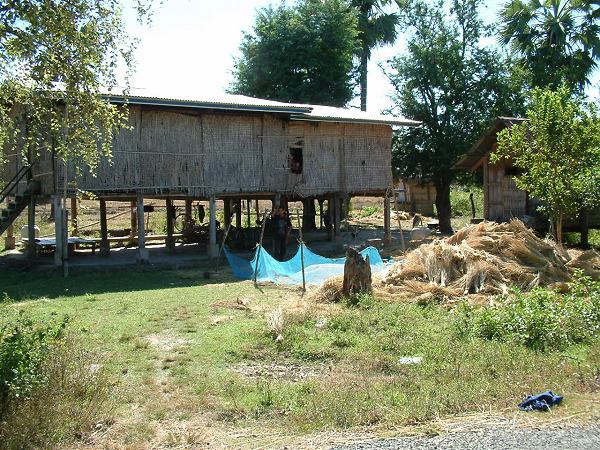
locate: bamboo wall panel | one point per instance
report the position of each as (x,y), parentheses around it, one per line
(233,149)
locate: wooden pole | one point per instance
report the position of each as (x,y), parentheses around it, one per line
(262,233)
(133,223)
(257,211)
(397,208)
(212,244)
(31,229)
(104,245)
(143,255)
(188,211)
(238,213)
(170,226)
(227,210)
(387,229)
(301,251)
(58,216)
(248,219)
(223,245)
(75,231)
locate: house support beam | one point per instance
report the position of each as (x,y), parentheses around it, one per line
(143,255)
(213,248)
(387,220)
(104,244)
(74,230)
(188,212)
(31,229)
(170,243)
(58,231)
(336,215)
(227,211)
(330,218)
(133,222)
(238,213)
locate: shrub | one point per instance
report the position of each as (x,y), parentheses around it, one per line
(542,319)
(368,211)
(50,390)
(461,204)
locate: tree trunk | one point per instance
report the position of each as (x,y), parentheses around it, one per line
(584,228)
(559,223)
(364,61)
(442,204)
(357,274)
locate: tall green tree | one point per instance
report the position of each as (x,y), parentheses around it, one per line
(303,53)
(376,27)
(453,83)
(55,58)
(557,41)
(558,149)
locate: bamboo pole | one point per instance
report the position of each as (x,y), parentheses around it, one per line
(397,209)
(223,243)
(262,233)
(301,251)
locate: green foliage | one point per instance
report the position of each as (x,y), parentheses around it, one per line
(558,41)
(461,203)
(368,211)
(302,53)
(558,148)
(24,345)
(541,320)
(454,83)
(55,57)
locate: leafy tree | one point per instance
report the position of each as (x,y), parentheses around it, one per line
(55,58)
(557,40)
(302,53)
(558,149)
(454,84)
(375,28)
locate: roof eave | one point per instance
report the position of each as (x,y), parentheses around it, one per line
(406,123)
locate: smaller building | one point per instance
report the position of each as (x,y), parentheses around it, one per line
(502,199)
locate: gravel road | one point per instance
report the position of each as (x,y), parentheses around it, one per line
(586,438)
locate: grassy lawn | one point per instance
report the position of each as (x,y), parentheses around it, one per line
(195,360)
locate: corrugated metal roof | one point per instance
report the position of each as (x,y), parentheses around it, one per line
(472,159)
(186,98)
(331,114)
(189,99)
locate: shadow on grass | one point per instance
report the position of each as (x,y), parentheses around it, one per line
(19,285)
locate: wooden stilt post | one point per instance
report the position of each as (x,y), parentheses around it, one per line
(58,216)
(262,233)
(301,251)
(74,230)
(330,211)
(104,244)
(397,208)
(387,232)
(31,229)
(170,243)
(227,211)
(238,213)
(248,219)
(257,211)
(188,211)
(133,235)
(336,215)
(212,245)
(321,213)
(143,255)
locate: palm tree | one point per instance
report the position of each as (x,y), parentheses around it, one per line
(375,28)
(557,40)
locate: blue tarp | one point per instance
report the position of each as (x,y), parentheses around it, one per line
(317,267)
(541,402)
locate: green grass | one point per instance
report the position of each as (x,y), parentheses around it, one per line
(155,331)
(461,204)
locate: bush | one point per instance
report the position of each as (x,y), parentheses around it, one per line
(368,211)
(542,319)
(50,390)
(461,204)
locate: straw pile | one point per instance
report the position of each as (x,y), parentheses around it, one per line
(478,261)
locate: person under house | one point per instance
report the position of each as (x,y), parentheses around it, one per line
(282,226)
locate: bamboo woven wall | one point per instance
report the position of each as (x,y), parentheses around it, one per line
(210,153)
(503,200)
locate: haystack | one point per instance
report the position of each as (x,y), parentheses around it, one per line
(479,260)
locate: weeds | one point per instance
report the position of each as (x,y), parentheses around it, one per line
(52,391)
(542,319)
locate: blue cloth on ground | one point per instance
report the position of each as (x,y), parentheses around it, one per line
(540,402)
(317,268)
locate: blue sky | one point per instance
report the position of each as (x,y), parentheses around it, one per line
(191,44)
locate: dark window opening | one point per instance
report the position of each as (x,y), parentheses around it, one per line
(295,159)
(513,171)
